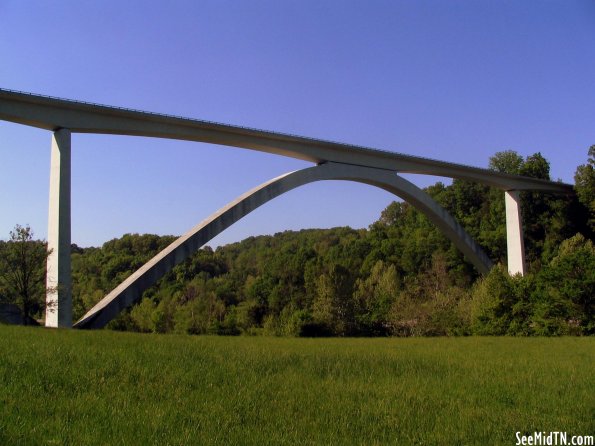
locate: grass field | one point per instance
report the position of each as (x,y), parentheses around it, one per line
(81,388)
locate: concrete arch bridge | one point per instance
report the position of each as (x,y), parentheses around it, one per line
(331,161)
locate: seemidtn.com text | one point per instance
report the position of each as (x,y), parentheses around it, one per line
(554,438)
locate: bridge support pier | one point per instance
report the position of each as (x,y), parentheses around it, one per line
(514,233)
(59,290)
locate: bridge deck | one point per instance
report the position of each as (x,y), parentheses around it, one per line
(81,117)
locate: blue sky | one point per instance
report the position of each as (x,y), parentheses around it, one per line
(451,80)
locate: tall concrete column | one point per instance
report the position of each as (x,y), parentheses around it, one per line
(514,233)
(59,291)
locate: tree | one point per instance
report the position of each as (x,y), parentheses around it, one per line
(332,307)
(566,289)
(374,296)
(492,301)
(507,161)
(584,179)
(536,166)
(22,270)
(536,208)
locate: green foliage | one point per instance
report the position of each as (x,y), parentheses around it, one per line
(535,166)
(498,304)
(374,296)
(430,304)
(566,290)
(585,186)
(558,300)
(332,308)
(22,271)
(507,161)
(401,277)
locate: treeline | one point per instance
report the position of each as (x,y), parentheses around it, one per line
(400,277)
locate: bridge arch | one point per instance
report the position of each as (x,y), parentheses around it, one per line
(130,291)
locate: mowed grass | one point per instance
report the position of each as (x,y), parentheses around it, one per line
(100,387)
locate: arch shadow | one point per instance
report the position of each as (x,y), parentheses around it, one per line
(130,291)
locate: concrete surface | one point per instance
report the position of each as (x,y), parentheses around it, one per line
(515,243)
(59,293)
(130,291)
(80,117)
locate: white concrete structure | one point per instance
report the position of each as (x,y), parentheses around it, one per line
(65,116)
(59,298)
(80,117)
(130,291)
(515,243)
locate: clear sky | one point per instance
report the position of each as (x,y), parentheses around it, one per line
(451,80)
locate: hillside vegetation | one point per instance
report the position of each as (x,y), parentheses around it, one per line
(103,387)
(400,277)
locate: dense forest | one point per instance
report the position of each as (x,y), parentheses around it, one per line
(399,277)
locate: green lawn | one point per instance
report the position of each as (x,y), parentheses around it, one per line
(101,387)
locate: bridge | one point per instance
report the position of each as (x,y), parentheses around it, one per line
(331,161)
